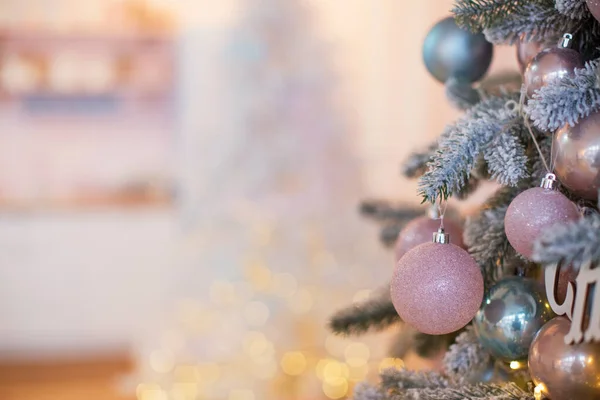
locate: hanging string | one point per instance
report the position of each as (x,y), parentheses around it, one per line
(442,207)
(528,126)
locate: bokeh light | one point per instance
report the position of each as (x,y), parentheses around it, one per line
(293,363)
(258,275)
(335,388)
(335,345)
(388,362)
(150,392)
(162,361)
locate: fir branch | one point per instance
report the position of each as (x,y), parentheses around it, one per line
(506,158)
(574,9)
(566,100)
(485,238)
(381,210)
(428,346)
(416,165)
(389,234)
(571,244)
(375,313)
(509,391)
(530,21)
(477,15)
(402,342)
(461,144)
(461,94)
(364,391)
(466,356)
(398,380)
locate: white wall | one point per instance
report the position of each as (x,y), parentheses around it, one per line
(81,281)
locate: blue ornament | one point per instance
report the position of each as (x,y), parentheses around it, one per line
(512,313)
(452,52)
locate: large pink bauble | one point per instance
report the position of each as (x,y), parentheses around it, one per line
(549,65)
(594,7)
(564,371)
(576,152)
(420,230)
(533,212)
(437,288)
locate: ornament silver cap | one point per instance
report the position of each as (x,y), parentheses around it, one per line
(566,42)
(549,182)
(441,237)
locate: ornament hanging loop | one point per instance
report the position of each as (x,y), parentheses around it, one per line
(441,237)
(549,182)
(567,41)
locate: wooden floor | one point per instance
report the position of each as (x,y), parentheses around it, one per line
(93,379)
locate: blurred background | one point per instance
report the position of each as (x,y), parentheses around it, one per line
(179,185)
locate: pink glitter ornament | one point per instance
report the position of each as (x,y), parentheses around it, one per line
(418,231)
(437,287)
(551,64)
(534,211)
(594,7)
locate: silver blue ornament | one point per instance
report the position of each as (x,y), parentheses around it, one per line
(514,310)
(452,52)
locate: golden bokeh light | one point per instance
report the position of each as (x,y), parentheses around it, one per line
(258,275)
(284,285)
(357,354)
(184,391)
(515,365)
(241,394)
(293,363)
(335,388)
(150,391)
(390,363)
(162,361)
(222,293)
(256,313)
(361,295)
(301,302)
(256,344)
(334,369)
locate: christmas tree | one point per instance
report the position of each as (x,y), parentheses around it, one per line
(509,296)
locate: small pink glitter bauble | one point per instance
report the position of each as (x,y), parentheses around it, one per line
(420,230)
(533,212)
(594,7)
(437,288)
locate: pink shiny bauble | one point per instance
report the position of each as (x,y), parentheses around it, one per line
(421,229)
(594,7)
(565,371)
(533,212)
(437,288)
(526,51)
(549,65)
(576,152)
